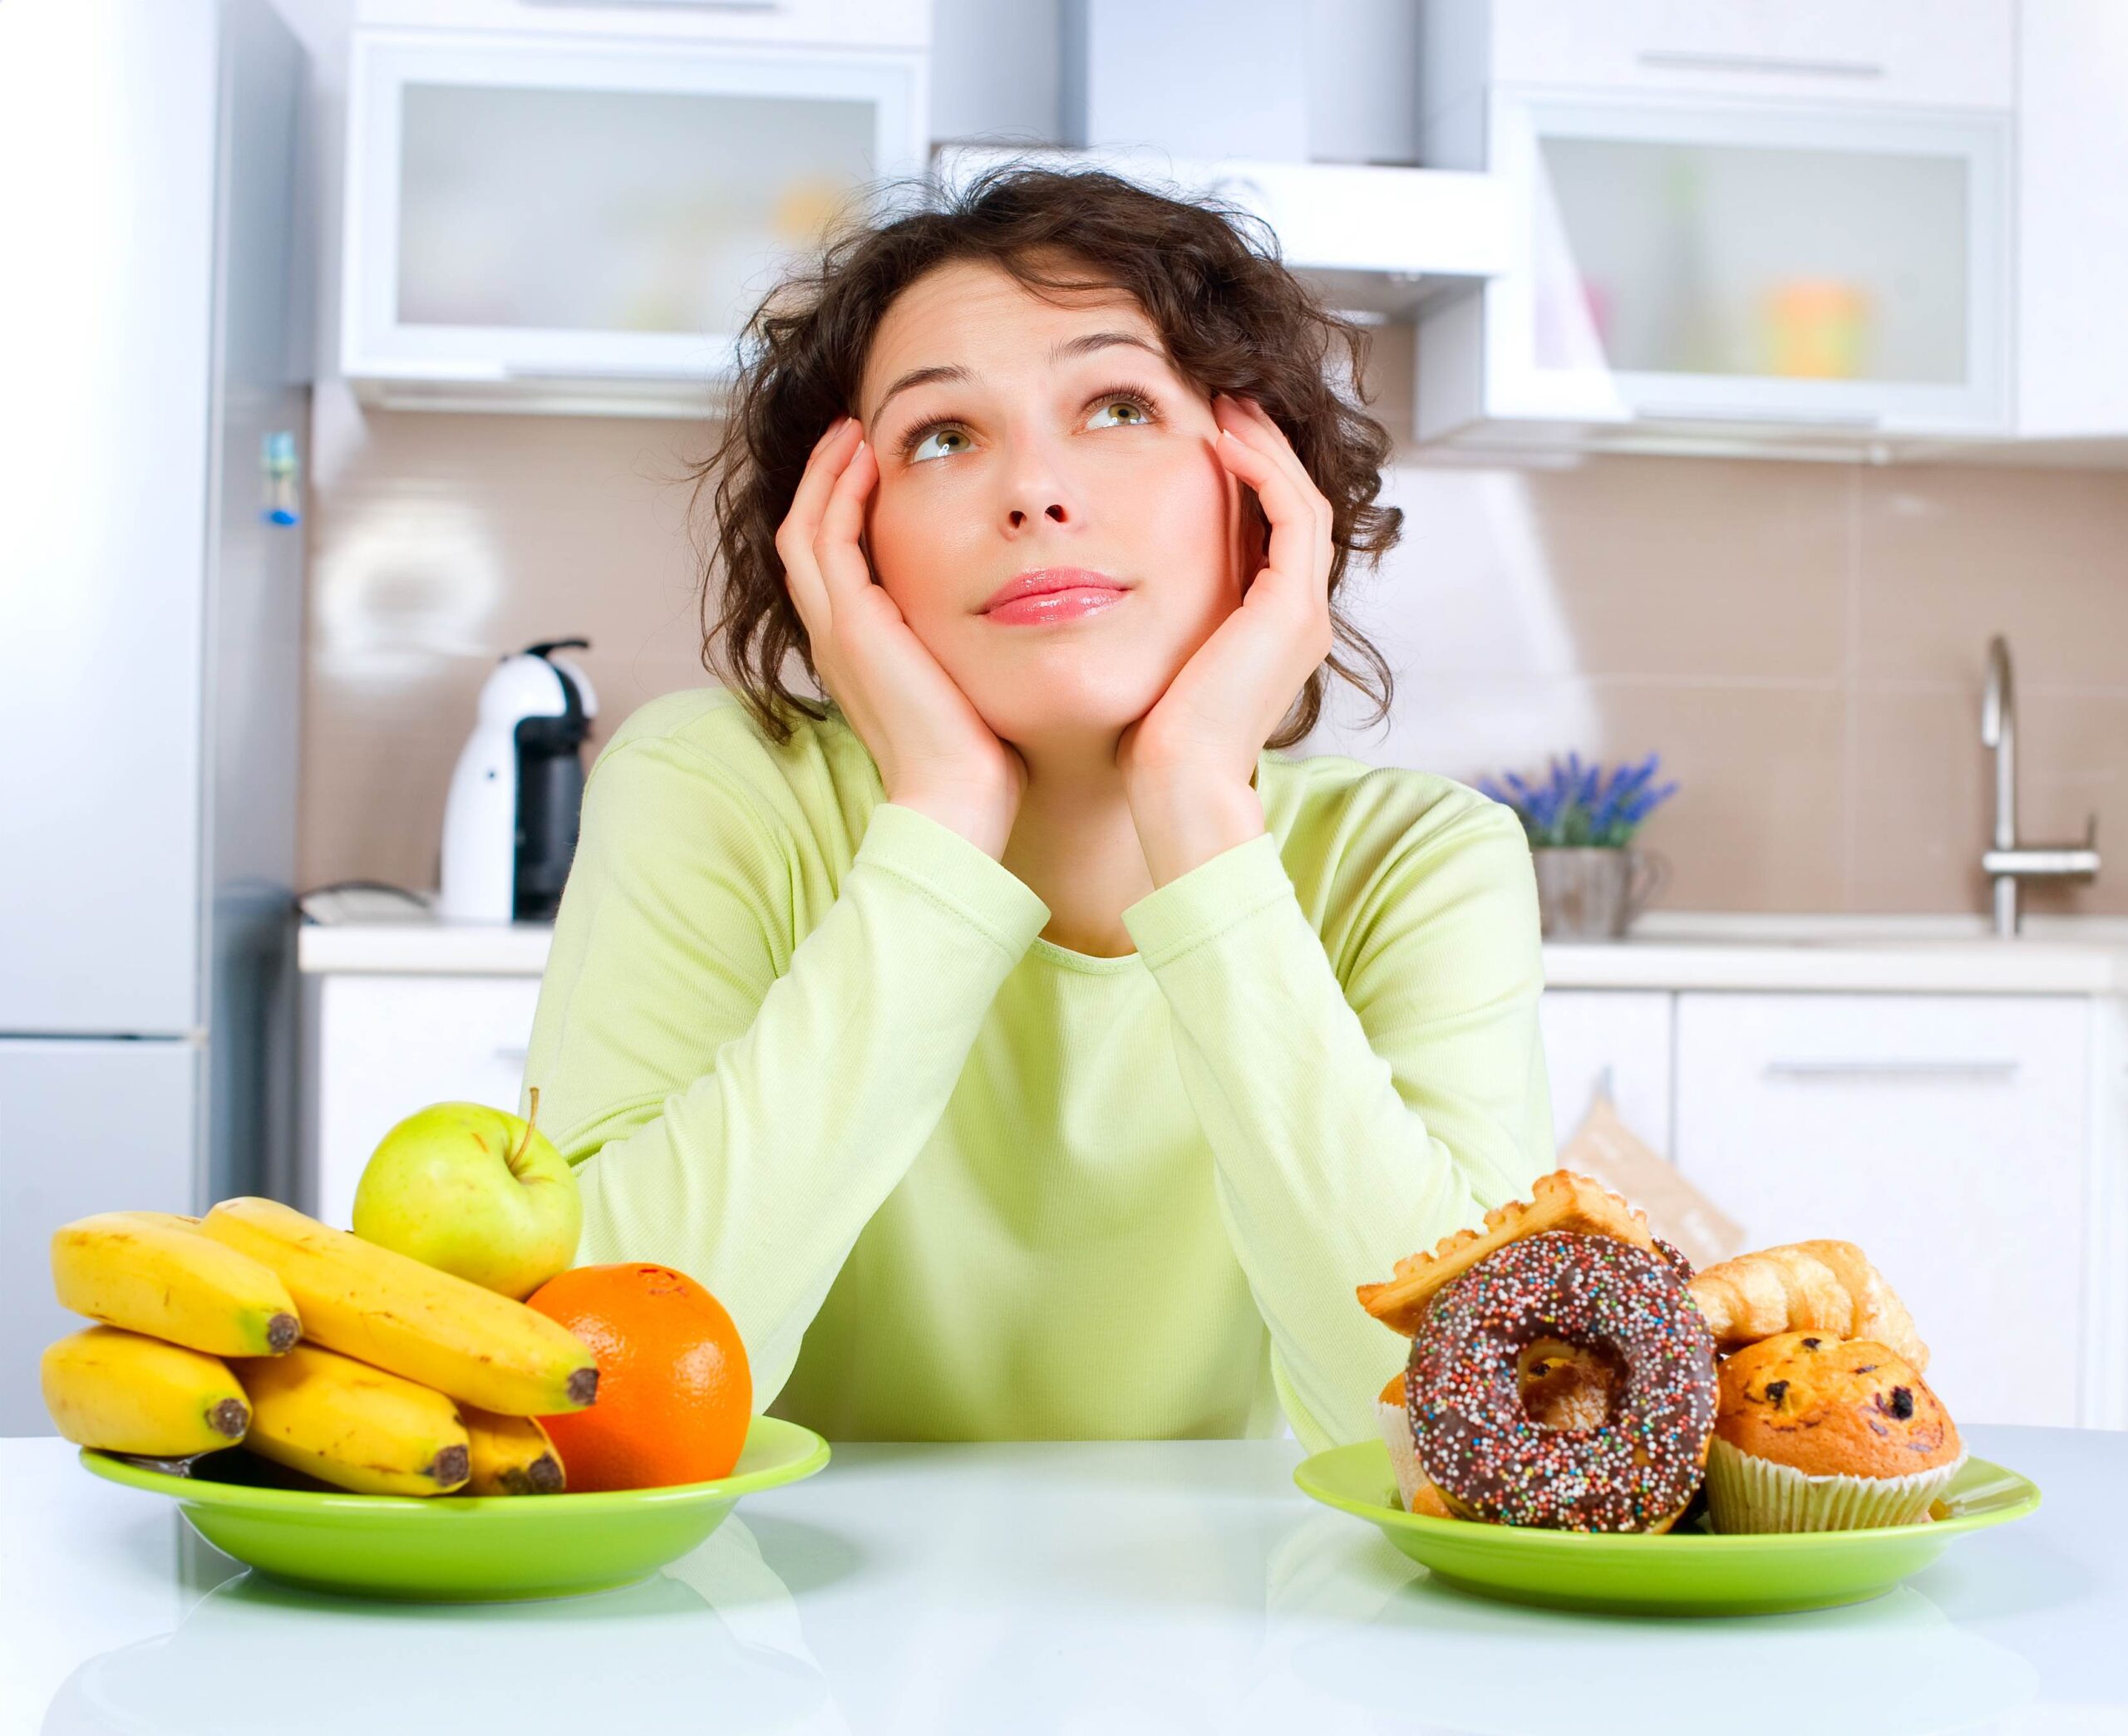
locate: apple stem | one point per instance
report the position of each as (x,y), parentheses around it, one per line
(532,1114)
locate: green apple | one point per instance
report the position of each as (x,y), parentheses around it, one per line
(473,1191)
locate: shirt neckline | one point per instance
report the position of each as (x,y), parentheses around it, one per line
(1089,964)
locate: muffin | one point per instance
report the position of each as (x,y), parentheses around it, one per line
(1815,1433)
(1413,1488)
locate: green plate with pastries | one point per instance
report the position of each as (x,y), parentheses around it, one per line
(463,1548)
(1680,1572)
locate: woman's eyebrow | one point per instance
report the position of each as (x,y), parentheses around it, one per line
(1083,345)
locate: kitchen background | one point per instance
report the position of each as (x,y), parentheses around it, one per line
(1804,644)
(1775,557)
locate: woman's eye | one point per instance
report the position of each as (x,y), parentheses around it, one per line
(917,453)
(1137,411)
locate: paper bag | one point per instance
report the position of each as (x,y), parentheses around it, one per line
(1606,1150)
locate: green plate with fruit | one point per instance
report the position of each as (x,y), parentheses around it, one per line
(1681,1572)
(459,1548)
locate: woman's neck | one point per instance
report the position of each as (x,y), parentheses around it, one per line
(1074,843)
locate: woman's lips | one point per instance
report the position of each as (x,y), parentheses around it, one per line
(1072,605)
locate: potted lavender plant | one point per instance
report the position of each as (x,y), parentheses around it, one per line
(1591,883)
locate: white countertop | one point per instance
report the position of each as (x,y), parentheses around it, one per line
(1666,950)
(1096,1587)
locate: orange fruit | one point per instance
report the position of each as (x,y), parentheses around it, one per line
(675,1394)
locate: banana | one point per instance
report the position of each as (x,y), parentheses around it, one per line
(153,1272)
(124,1393)
(395,1314)
(511,1455)
(353,1426)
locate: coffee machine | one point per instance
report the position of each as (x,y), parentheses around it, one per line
(510,823)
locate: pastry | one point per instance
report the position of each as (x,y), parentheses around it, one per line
(1815,1433)
(1561,1201)
(1825,1287)
(1599,1300)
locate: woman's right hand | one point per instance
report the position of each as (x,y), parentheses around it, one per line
(934,752)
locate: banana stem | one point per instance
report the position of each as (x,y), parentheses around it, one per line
(532,1114)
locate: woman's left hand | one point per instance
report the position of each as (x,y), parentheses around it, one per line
(1188,762)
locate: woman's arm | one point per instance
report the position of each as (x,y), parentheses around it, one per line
(1354,1122)
(739,1100)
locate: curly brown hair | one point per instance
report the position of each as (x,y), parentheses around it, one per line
(1234,318)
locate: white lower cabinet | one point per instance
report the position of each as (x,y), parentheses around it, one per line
(384,1045)
(1948,1135)
(1614,1040)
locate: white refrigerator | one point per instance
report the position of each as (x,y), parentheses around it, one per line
(152,346)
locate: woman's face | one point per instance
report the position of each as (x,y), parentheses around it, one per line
(1015,434)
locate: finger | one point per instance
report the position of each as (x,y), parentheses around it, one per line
(794,536)
(844,569)
(1252,425)
(831,453)
(1296,558)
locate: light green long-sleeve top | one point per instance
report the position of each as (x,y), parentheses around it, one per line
(955,1182)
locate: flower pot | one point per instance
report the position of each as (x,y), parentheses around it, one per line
(1593,892)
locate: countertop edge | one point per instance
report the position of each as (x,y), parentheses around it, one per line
(1924,966)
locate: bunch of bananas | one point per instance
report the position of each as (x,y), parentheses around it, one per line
(258,1325)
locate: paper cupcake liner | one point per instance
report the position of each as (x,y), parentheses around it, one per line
(1749,1494)
(1396,1430)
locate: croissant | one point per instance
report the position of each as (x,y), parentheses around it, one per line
(1804,1286)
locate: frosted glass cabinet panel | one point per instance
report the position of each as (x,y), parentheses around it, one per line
(1689,265)
(597,221)
(1689,259)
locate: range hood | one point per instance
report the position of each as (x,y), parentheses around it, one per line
(1372,240)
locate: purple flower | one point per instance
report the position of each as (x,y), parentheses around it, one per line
(1581,803)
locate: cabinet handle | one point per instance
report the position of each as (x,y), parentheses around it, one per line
(1673,60)
(1892,1069)
(1779,418)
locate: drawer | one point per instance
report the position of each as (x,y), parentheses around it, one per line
(383,1046)
(1936,53)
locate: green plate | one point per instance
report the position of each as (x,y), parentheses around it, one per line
(1678,1573)
(486,1548)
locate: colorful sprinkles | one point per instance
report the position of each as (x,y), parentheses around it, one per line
(1464,1397)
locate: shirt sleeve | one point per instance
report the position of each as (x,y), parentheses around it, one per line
(738,1100)
(1355,1120)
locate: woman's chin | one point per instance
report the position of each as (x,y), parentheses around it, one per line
(1100,715)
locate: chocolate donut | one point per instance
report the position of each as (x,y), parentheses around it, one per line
(1463,1390)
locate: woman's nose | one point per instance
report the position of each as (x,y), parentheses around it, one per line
(1055,511)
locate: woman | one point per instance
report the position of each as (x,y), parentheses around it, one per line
(1019,1044)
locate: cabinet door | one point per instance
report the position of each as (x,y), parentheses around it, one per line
(1696,267)
(107,346)
(388,1045)
(2072,219)
(1942,53)
(1946,1135)
(1610,1040)
(519,210)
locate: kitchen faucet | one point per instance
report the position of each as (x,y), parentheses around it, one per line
(2009,862)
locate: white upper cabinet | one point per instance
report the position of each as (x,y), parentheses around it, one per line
(2072,211)
(1780,230)
(1931,53)
(535,222)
